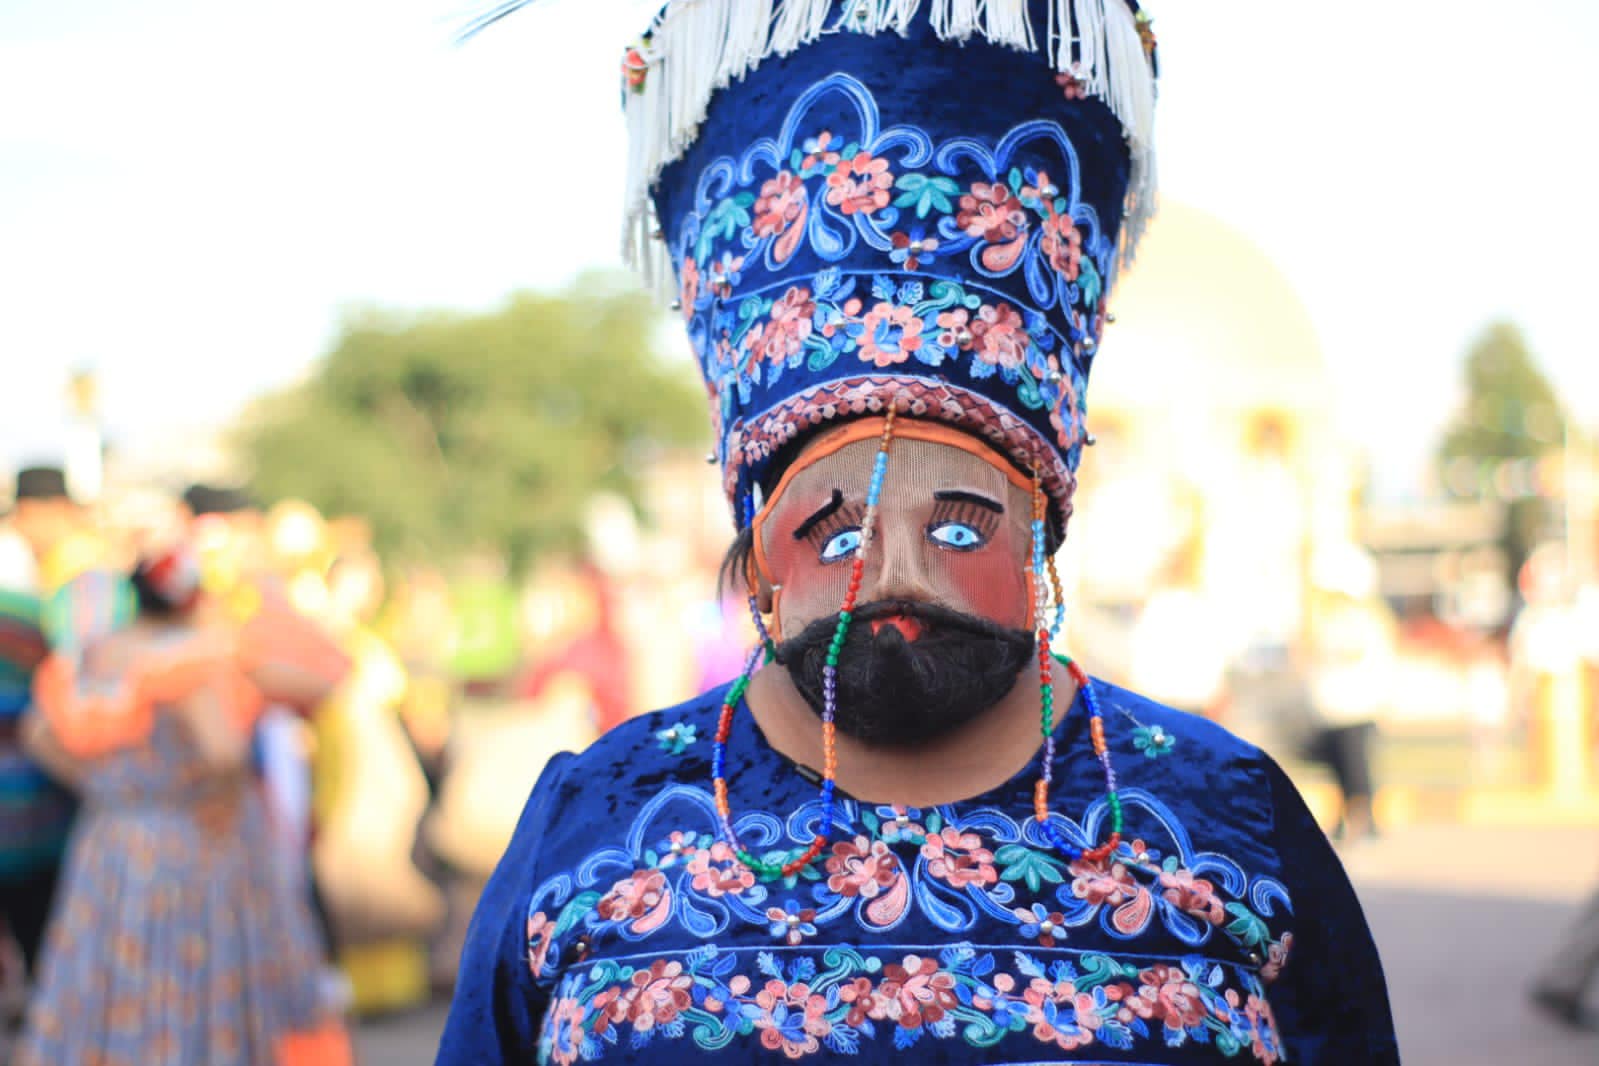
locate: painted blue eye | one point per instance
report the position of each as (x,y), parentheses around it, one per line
(841,545)
(956,536)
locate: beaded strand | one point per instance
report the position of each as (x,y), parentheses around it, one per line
(1043,573)
(760,868)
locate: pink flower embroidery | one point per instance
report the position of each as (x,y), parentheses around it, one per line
(1063,245)
(659,994)
(959,859)
(780,212)
(914,993)
(1167,995)
(862,1001)
(999,336)
(890,334)
(860,185)
(610,1007)
(994,214)
(955,329)
(1276,958)
(1192,895)
(1109,884)
(717,872)
(1063,411)
(783,336)
(643,898)
(861,867)
(540,932)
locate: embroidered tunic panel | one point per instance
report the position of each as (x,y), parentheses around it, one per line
(618,928)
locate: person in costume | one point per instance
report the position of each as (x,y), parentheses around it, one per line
(176,938)
(913,830)
(35,809)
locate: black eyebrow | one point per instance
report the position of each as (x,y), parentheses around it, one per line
(957,496)
(827,510)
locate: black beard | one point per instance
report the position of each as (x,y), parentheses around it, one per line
(899,693)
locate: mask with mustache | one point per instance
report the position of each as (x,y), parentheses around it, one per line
(894,691)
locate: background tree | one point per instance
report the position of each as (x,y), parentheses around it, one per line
(461,433)
(1510,419)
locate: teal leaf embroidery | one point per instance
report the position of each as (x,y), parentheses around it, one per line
(1024,864)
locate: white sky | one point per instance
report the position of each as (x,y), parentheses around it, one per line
(192,190)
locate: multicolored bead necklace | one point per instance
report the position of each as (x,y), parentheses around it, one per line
(1046,580)
(1043,576)
(724,726)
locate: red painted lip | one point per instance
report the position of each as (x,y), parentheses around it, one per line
(909,628)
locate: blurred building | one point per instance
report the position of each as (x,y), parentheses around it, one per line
(1217,469)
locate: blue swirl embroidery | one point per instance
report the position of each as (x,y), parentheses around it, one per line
(982,864)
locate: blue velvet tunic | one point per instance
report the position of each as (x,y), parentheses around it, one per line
(619,929)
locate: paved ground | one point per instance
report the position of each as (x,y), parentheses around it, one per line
(1463,917)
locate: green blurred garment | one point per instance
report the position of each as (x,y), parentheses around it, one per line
(35,812)
(485,645)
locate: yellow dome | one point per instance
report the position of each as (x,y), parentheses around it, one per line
(1204,318)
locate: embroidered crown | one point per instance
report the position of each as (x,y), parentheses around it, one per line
(858,203)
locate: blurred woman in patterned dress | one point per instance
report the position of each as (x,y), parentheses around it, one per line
(176,939)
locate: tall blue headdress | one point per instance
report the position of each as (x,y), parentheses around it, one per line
(918,203)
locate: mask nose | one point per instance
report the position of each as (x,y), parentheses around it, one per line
(901,573)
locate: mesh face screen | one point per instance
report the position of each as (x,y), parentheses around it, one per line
(952,529)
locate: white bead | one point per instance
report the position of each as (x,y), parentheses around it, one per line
(793,919)
(1046,928)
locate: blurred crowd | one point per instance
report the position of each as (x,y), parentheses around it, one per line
(390,796)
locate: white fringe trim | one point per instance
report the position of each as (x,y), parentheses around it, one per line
(698,47)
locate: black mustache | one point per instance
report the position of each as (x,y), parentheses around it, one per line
(900,692)
(936,618)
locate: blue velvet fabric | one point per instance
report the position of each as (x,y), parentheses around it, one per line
(877,217)
(616,928)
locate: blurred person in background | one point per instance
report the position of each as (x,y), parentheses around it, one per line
(892,247)
(176,938)
(1567,978)
(36,810)
(242,558)
(587,645)
(1564,982)
(1352,641)
(371,793)
(58,531)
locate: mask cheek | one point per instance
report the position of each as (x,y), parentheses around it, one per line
(992,584)
(806,592)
